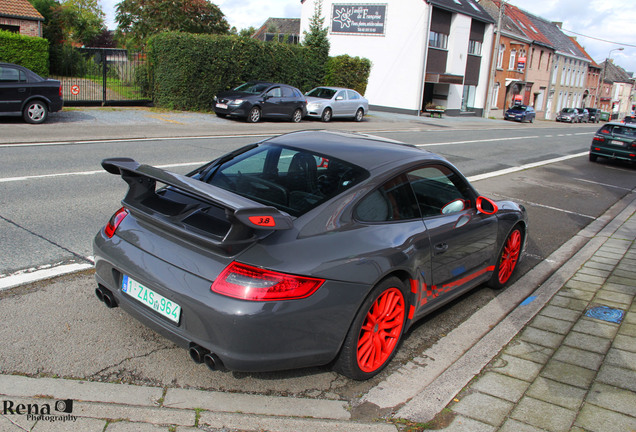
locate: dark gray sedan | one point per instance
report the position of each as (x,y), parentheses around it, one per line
(301,250)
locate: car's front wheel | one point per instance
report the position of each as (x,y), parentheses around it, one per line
(254,115)
(326,115)
(507,259)
(35,112)
(375,332)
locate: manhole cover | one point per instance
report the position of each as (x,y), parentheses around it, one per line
(605,313)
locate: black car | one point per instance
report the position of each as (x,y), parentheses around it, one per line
(25,93)
(301,250)
(255,100)
(629,119)
(520,113)
(615,141)
(595,114)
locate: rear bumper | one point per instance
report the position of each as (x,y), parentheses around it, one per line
(246,335)
(613,153)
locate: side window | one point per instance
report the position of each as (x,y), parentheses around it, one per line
(275,92)
(393,201)
(352,95)
(287,92)
(342,95)
(8,75)
(437,186)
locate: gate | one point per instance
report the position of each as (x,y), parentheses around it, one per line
(103,76)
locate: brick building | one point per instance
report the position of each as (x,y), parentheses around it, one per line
(19,16)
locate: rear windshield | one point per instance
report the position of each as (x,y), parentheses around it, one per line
(323,93)
(292,180)
(567,110)
(616,130)
(518,109)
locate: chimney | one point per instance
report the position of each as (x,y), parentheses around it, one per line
(558,24)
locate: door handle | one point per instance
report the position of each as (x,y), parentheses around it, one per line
(440,248)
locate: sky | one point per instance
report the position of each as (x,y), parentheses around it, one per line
(610,20)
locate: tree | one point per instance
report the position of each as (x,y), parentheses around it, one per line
(316,37)
(71,21)
(140,19)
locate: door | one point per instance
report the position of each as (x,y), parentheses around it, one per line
(340,104)
(463,240)
(273,103)
(14,89)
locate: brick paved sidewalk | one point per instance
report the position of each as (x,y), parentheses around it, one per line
(573,367)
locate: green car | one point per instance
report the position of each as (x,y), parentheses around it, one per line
(615,141)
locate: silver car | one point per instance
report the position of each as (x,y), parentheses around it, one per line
(326,103)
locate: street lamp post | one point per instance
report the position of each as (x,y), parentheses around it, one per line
(600,84)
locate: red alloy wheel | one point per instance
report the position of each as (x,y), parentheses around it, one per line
(381,330)
(509,256)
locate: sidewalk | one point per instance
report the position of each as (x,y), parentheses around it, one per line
(573,367)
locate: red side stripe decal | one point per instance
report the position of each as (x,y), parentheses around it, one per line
(411,312)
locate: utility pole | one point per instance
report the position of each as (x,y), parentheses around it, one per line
(493,63)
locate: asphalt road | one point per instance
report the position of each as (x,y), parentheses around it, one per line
(55,197)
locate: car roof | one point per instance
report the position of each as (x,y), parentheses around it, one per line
(367,151)
(617,123)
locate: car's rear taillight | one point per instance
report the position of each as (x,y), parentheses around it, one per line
(60,90)
(114,222)
(246,282)
(598,138)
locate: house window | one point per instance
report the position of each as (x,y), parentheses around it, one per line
(495,96)
(474,47)
(10,28)
(500,56)
(513,59)
(438,40)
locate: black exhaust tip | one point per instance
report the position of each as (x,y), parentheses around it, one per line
(213,362)
(197,353)
(99,293)
(106,296)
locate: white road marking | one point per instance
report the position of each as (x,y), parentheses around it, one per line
(85,173)
(476,141)
(524,167)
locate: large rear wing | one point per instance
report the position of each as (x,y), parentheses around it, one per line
(243,215)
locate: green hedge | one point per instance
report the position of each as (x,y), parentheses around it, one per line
(346,71)
(28,51)
(186,71)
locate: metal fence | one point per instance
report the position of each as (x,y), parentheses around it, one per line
(103,76)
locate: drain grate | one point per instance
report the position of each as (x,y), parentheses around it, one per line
(605,313)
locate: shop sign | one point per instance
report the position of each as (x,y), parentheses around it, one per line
(359,19)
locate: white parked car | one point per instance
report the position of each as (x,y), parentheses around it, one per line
(326,103)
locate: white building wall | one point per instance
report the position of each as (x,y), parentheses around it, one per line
(397,57)
(484,73)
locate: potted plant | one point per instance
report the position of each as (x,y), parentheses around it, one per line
(435,110)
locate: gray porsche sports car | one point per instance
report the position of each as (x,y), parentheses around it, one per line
(301,250)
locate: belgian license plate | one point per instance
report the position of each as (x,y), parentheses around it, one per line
(221,106)
(618,143)
(148,297)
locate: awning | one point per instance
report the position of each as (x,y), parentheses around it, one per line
(444,78)
(511,80)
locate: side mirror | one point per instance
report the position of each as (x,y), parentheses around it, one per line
(486,206)
(339,98)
